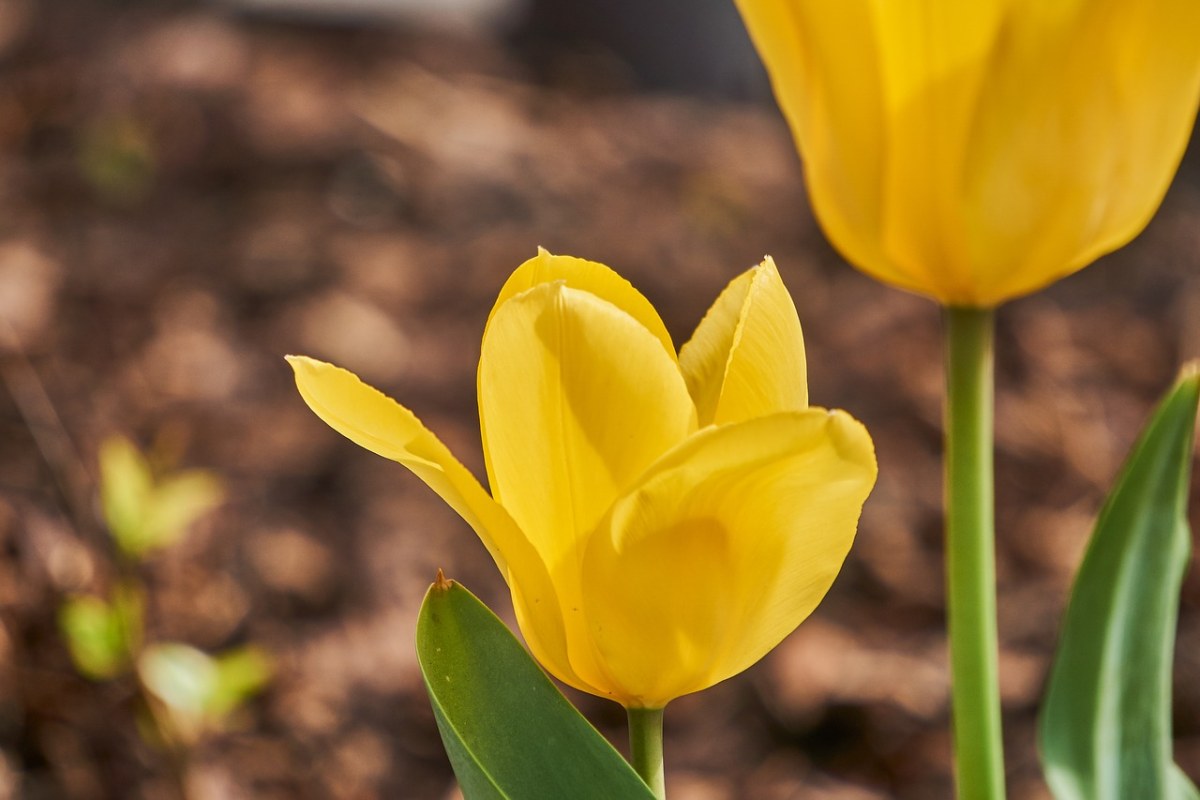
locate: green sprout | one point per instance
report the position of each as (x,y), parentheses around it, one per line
(185,694)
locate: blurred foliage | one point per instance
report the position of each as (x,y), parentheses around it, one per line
(99,633)
(197,692)
(144,513)
(186,692)
(116,158)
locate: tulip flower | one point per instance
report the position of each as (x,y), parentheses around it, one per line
(662,520)
(975,152)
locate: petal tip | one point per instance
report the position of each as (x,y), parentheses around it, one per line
(852,439)
(306,366)
(298,363)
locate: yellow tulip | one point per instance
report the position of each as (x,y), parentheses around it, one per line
(977,151)
(662,521)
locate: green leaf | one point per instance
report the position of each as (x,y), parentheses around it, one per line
(508,731)
(1106,721)
(198,691)
(241,674)
(143,514)
(1183,786)
(126,489)
(183,679)
(178,501)
(95,637)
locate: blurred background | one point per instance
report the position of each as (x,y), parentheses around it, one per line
(190,190)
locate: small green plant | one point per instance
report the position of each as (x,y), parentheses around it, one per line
(184,694)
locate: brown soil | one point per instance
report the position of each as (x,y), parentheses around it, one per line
(187,196)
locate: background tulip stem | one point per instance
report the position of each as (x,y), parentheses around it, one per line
(970,554)
(646,747)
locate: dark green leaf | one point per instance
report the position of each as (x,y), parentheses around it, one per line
(508,731)
(1106,722)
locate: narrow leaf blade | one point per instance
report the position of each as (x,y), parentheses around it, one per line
(509,732)
(1106,721)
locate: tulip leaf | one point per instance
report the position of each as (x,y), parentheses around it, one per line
(1183,787)
(508,731)
(1106,721)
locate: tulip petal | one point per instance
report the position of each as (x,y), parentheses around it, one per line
(825,72)
(975,152)
(374,421)
(729,542)
(1079,130)
(588,276)
(576,400)
(746,358)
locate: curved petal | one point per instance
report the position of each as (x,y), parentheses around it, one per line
(975,152)
(726,546)
(746,358)
(1080,128)
(576,400)
(371,419)
(825,70)
(588,276)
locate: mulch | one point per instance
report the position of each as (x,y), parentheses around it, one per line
(186,195)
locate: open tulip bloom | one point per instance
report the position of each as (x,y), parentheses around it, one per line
(974,152)
(662,520)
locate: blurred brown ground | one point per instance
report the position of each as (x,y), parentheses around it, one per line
(185,196)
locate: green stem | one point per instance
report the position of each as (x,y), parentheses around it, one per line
(970,555)
(646,747)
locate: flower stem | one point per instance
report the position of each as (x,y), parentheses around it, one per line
(970,555)
(646,747)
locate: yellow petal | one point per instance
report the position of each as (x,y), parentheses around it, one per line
(372,420)
(588,276)
(729,543)
(746,358)
(825,70)
(1079,130)
(576,400)
(975,152)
